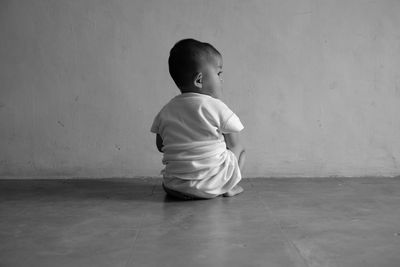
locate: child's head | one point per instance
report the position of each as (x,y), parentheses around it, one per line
(196,67)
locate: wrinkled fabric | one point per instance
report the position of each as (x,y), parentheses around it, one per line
(196,159)
(209,182)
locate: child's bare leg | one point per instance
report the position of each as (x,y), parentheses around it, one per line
(237,189)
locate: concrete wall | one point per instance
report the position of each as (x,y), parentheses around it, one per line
(316,83)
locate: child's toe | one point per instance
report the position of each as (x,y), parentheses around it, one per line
(234,191)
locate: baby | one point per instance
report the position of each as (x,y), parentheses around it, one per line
(196,131)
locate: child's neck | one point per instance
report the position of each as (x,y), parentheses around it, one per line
(191,90)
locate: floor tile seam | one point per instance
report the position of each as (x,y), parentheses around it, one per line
(134,242)
(128,261)
(140,230)
(284,235)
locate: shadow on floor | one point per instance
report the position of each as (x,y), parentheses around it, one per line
(101,189)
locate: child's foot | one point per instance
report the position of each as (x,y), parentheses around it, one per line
(234,191)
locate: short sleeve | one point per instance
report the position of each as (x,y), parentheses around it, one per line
(156,124)
(229,121)
(232,125)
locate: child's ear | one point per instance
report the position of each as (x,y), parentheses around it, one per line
(198,80)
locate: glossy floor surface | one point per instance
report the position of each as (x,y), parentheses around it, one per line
(130,222)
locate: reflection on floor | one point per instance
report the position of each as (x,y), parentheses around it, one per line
(130,222)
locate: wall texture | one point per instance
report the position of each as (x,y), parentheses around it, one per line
(316,83)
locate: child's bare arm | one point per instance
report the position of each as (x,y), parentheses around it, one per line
(159,143)
(235,145)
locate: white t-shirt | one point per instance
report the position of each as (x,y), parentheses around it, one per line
(191,126)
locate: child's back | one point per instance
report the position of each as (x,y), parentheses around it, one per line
(191,131)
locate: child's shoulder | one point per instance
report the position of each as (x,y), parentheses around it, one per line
(194,101)
(201,98)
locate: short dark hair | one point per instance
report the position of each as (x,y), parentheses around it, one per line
(185,57)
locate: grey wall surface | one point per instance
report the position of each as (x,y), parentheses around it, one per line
(316,83)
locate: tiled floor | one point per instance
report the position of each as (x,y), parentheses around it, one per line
(130,222)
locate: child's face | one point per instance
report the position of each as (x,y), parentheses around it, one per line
(212,78)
